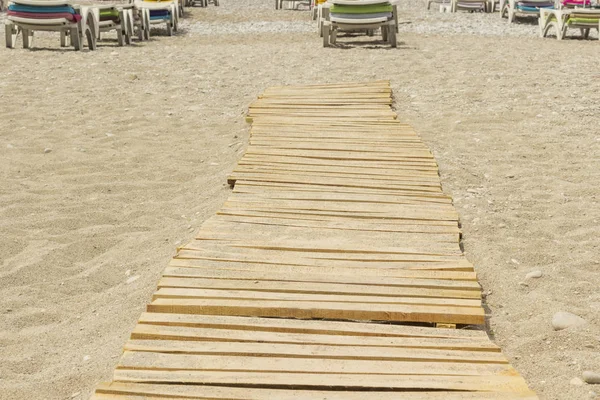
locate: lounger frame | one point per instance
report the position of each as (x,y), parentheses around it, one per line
(388,26)
(561,20)
(75,31)
(508,9)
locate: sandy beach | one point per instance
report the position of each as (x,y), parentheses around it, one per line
(111,159)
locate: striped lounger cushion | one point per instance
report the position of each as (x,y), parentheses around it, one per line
(159,14)
(43,12)
(384,7)
(110,15)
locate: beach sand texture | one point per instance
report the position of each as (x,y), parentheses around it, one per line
(110,159)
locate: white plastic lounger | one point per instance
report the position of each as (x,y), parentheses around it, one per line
(523,8)
(584,19)
(27,16)
(470,5)
(279,3)
(159,12)
(118,18)
(378,14)
(441,3)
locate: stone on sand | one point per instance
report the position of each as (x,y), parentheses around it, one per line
(534,274)
(563,320)
(576,382)
(591,377)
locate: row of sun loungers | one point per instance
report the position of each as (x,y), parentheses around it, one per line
(85,23)
(554,16)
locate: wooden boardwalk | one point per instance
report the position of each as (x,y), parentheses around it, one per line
(337,216)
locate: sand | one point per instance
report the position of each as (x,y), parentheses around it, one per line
(110,159)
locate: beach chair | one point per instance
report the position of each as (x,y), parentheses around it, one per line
(493,5)
(469,5)
(160,12)
(279,3)
(141,22)
(571,14)
(441,3)
(359,15)
(118,18)
(72,21)
(205,3)
(523,8)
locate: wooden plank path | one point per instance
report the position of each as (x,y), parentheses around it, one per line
(307,284)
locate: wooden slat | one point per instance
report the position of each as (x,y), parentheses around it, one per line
(136,391)
(311,328)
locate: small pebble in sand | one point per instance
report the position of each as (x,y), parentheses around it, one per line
(86,358)
(76,394)
(591,377)
(501,225)
(128,272)
(47,150)
(562,320)
(10,146)
(132,279)
(576,382)
(534,274)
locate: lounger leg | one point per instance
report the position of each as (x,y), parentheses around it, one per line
(127,37)
(325,34)
(120,37)
(75,42)
(10,31)
(90,37)
(333,35)
(585,33)
(26,38)
(561,33)
(146,25)
(384,33)
(393,38)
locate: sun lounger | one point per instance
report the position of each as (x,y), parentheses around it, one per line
(205,3)
(469,5)
(523,8)
(118,18)
(361,15)
(562,19)
(442,3)
(160,12)
(28,16)
(279,3)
